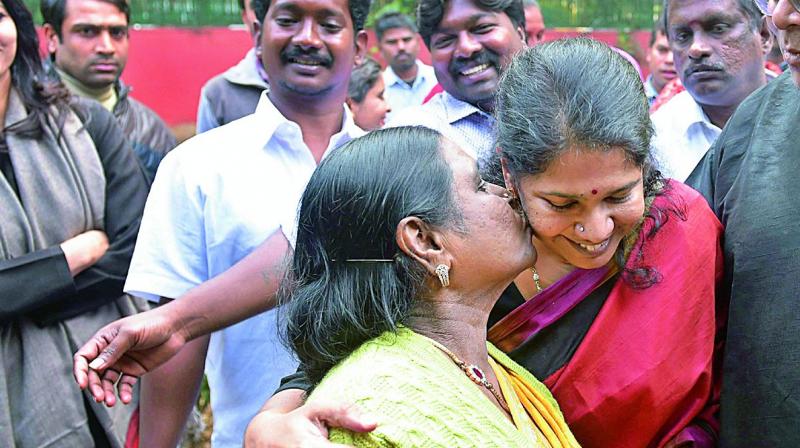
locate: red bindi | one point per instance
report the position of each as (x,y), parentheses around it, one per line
(594,191)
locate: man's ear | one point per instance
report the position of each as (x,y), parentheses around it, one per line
(523,35)
(256,36)
(361,48)
(51,38)
(765,36)
(426,246)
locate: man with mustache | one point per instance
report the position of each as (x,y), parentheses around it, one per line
(718,48)
(88,45)
(470,41)
(407,79)
(750,179)
(224,194)
(235,93)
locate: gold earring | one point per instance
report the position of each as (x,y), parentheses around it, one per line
(443,272)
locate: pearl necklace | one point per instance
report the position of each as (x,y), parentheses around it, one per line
(474,373)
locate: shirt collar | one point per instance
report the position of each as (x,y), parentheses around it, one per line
(649,89)
(275,123)
(390,78)
(455,109)
(689,113)
(248,72)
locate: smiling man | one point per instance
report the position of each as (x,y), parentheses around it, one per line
(88,45)
(750,179)
(221,194)
(718,47)
(471,42)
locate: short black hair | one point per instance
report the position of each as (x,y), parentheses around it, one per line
(748,7)
(54,12)
(392,20)
(658,27)
(362,78)
(431,12)
(359,10)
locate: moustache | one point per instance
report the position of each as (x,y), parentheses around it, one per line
(314,56)
(703,68)
(482,57)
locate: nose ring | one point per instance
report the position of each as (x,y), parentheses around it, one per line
(580,228)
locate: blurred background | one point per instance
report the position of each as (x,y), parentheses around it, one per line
(186,42)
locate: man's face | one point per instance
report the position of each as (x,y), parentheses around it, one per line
(93,47)
(718,55)
(399,48)
(469,50)
(534,25)
(307,47)
(787,21)
(659,61)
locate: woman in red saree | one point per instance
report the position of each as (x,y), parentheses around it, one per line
(621,320)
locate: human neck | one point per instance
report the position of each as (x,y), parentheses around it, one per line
(459,326)
(318,119)
(408,76)
(719,115)
(107,96)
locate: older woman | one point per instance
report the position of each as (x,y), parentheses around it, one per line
(71,195)
(401,252)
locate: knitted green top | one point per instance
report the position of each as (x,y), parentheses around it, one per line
(420,397)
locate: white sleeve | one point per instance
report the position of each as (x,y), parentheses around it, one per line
(170,255)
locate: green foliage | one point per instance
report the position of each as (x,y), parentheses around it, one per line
(621,14)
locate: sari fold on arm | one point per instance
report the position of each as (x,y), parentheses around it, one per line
(646,370)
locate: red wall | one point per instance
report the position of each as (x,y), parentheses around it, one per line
(168,66)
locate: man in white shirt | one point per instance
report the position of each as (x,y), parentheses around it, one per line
(223,193)
(718,48)
(407,80)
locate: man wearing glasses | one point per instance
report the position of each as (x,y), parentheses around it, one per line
(749,177)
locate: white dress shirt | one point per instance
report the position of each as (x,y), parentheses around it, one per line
(683,136)
(215,198)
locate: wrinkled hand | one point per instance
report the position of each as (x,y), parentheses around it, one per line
(122,351)
(306,426)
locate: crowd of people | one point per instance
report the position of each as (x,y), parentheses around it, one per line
(525,243)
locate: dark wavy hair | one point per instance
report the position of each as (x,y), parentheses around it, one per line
(359,10)
(37,92)
(54,12)
(431,12)
(578,93)
(350,211)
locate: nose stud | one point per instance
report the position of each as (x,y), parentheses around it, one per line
(580,228)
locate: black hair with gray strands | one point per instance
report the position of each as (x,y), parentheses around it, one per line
(54,12)
(391,20)
(747,7)
(350,210)
(577,94)
(359,10)
(431,12)
(362,78)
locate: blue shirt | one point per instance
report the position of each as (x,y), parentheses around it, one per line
(464,124)
(400,95)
